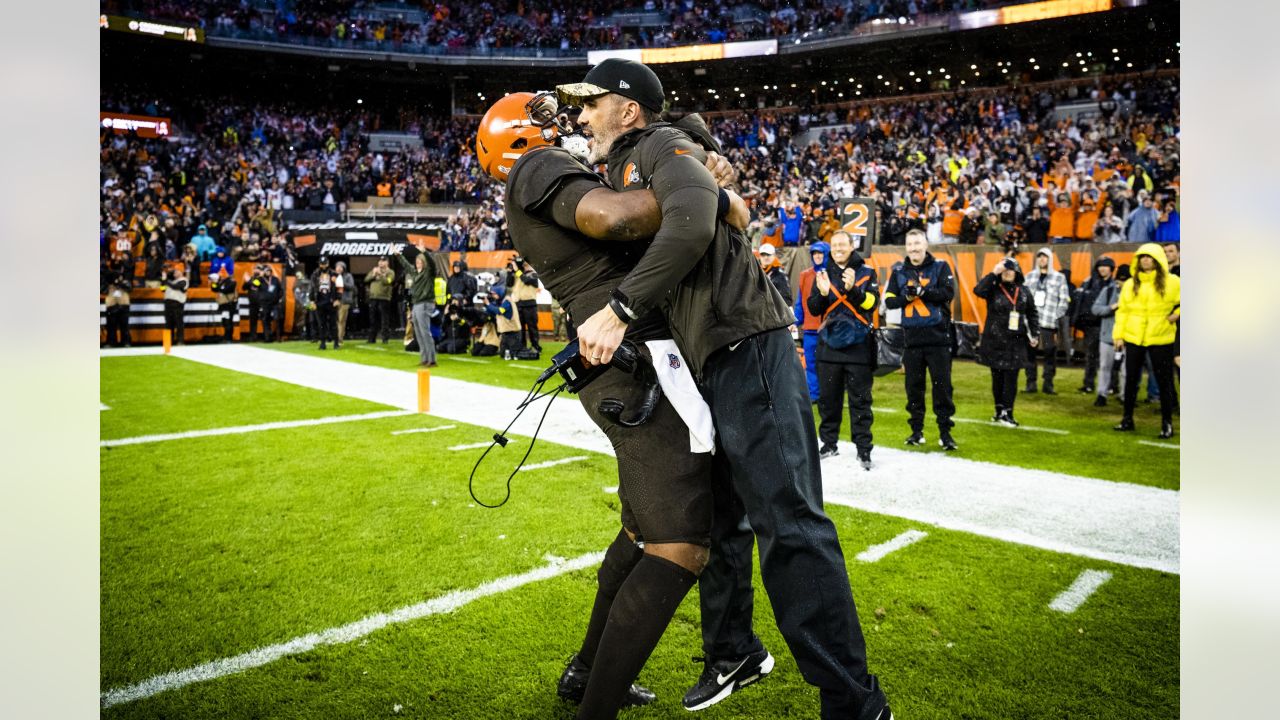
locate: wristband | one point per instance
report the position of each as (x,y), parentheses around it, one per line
(618,303)
(722,206)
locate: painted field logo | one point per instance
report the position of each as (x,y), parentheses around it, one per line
(673,361)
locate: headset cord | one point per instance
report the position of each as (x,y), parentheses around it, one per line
(534,395)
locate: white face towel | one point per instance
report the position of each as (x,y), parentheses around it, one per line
(677,383)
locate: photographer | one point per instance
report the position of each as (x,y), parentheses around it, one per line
(224,288)
(522,288)
(261,302)
(175,301)
(1010,328)
(346,296)
(118,285)
(455,326)
(379,281)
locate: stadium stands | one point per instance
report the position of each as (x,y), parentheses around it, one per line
(550,25)
(241,169)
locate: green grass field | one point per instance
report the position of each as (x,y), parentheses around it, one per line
(215,546)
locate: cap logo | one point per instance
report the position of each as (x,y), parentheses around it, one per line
(622,85)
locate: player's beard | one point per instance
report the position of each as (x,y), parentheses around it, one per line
(602,137)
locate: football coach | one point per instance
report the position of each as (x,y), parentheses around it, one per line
(732,329)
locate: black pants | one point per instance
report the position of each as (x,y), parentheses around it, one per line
(1004,388)
(327,322)
(118,326)
(768,450)
(1161,368)
(1091,335)
(259,312)
(379,319)
(174,320)
(835,380)
(937,360)
(1048,348)
(528,312)
(227,313)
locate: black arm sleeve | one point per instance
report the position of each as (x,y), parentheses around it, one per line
(549,184)
(689,198)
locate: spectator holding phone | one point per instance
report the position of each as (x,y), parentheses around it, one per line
(1010,331)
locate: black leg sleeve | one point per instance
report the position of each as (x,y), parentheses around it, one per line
(640,614)
(619,560)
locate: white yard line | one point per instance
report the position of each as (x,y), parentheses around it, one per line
(476,446)
(1085,585)
(1152,443)
(102,407)
(876,552)
(526,367)
(463,360)
(423,430)
(342,634)
(1111,521)
(370,347)
(612,489)
(553,463)
(241,429)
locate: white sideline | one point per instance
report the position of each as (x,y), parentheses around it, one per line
(876,552)
(1152,443)
(342,634)
(1085,585)
(131,351)
(1116,522)
(422,430)
(240,429)
(552,463)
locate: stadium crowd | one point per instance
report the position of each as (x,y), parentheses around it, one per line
(568,26)
(984,167)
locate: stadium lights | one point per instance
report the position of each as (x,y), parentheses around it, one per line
(942,70)
(886,83)
(359,101)
(736,90)
(859,86)
(1115,50)
(1129,65)
(841,94)
(1167,61)
(1079,54)
(793,84)
(917,79)
(998,63)
(973,67)
(928,72)
(824,83)
(912,73)
(1116,58)
(1005,70)
(742,95)
(850,79)
(948,76)
(879,77)
(1037,67)
(1066,64)
(961,82)
(1032,60)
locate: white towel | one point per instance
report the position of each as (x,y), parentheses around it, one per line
(677,383)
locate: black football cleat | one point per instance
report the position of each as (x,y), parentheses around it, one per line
(917,438)
(573,685)
(828,451)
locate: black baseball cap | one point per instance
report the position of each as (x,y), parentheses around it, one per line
(627,78)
